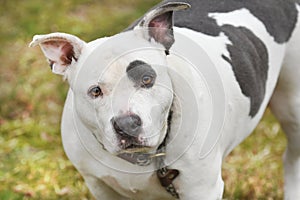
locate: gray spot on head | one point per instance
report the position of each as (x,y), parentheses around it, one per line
(141,74)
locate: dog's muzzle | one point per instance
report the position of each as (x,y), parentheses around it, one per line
(128,129)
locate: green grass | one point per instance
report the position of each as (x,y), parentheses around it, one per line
(33,164)
(254,169)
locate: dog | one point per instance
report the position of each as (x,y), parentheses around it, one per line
(153,111)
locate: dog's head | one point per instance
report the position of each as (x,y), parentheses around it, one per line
(125,104)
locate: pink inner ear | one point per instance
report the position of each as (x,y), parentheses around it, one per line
(160,29)
(59,52)
(159,22)
(68,53)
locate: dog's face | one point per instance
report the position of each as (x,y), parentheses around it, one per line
(125,103)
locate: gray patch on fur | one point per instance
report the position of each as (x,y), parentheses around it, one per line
(249,61)
(278,16)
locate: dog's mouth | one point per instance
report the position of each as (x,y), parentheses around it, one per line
(137,154)
(135,151)
(132,145)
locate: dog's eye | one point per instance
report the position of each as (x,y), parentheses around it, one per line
(147,81)
(95,92)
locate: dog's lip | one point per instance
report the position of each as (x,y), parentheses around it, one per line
(136,149)
(131,143)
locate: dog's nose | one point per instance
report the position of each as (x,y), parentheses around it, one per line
(127,125)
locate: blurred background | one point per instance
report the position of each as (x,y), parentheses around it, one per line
(32,161)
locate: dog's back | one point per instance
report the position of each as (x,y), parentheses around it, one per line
(278,16)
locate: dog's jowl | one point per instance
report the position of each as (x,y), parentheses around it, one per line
(138,111)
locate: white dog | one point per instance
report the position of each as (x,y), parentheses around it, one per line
(152,112)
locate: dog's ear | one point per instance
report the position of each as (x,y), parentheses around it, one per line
(159,23)
(62,50)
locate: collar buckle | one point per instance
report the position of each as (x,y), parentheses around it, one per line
(140,159)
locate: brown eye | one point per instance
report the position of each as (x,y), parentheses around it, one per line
(95,92)
(147,81)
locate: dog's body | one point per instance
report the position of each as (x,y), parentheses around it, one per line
(253,47)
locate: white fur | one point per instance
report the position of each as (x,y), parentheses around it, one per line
(285,104)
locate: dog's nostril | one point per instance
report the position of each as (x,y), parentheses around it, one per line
(127,125)
(136,120)
(117,128)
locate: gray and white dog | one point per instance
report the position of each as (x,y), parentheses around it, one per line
(141,124)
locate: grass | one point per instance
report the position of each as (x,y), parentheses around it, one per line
(33,164)
(254,169)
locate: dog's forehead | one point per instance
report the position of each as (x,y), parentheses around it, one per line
(107,59)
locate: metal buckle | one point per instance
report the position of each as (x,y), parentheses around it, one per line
(140,159)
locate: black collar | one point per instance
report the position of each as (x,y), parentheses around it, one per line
(165,175)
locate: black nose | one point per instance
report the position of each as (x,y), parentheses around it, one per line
(127,125)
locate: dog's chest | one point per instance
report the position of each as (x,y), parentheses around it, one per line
(137,186)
